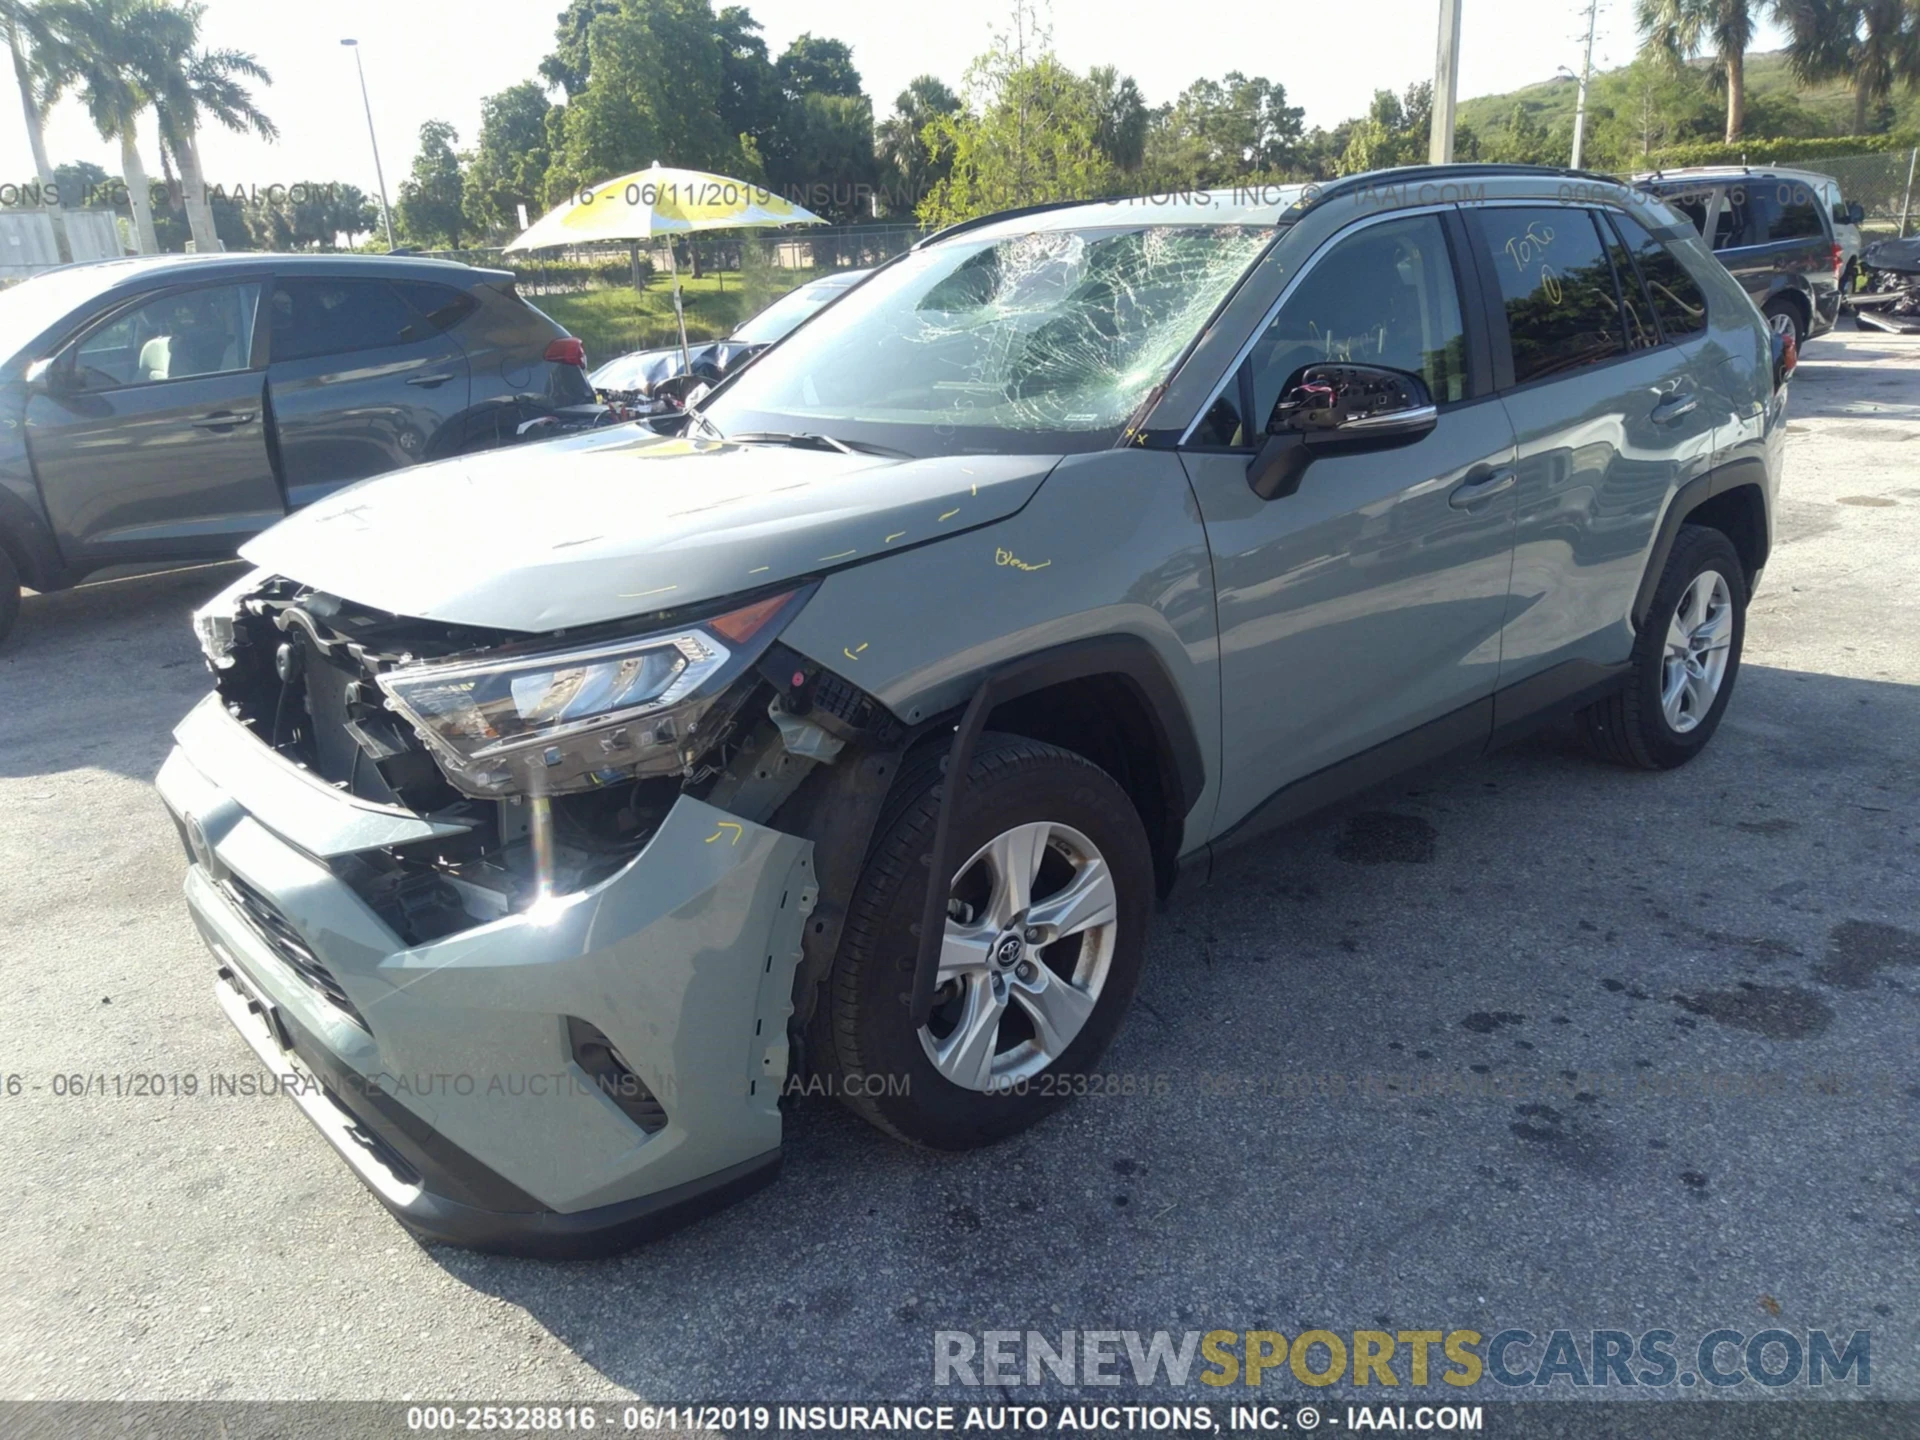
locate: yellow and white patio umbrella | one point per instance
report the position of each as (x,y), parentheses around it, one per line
(662,200)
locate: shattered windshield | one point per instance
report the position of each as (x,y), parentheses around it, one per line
(1040,341)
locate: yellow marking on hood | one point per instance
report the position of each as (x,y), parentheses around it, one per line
(759,570)
(893,537)
(854,654)
(735,826)
(951,513)
(1007,557)
(841,556)
(643,594)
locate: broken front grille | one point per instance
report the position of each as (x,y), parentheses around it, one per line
(286,943)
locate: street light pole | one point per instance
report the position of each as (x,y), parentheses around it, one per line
(1446,84)
(1586,72)
(386,210)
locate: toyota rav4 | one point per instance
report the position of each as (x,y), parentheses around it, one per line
(557,810)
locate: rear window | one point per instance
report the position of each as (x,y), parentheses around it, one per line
(441,306)
(1678,301)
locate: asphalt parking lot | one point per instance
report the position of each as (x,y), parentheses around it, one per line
(1650,1042)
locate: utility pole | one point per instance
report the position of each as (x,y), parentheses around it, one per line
(1586,73)
(1446,84)
(386,210)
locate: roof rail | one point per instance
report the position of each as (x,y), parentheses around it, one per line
(1404,173)
(998,215)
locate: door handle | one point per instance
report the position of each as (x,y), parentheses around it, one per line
(222,421)
(429,381)
(1485,488)
(1672,407)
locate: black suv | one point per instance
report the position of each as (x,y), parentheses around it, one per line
(165,408)
(1775,231)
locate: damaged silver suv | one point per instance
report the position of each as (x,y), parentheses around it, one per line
(558,810)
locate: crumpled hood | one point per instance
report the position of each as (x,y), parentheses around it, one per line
(624,522)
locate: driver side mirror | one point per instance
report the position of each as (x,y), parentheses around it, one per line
(47,374)
(1339,410)
(1856,212)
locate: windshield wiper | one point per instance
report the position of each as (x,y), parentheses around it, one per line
(811,440)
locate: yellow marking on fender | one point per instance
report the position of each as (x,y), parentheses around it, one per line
(893,537)
(854,654)
(733,825)
(951,513)
(645,593)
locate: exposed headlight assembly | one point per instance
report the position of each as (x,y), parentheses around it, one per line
(213,621)
(551,722)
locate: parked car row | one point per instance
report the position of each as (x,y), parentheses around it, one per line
(852,733)
(641,372)
(1786,235)
(166,408)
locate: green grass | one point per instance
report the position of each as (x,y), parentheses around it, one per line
(617,319)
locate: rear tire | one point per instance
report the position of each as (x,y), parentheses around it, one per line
(9,592)
(1685,659)
(1043,1009)
(1782,312)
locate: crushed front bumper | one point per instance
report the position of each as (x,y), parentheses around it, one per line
(445,1073)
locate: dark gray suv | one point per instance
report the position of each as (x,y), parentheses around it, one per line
(845,740)
(166,408)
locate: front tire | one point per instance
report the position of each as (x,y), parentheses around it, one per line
(1685,659)
(1045,940)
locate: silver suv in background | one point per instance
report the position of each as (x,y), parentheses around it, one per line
(847,739)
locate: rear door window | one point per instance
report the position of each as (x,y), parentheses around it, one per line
(441,307)
(1774,210)
(1641,334)
(1557,288)
(325,316)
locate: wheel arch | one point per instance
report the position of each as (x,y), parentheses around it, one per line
(30,544)
(1731,499)
(1109,693)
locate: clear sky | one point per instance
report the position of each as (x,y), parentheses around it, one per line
(432,59)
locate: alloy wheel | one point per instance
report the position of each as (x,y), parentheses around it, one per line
(1031,923)
(1699,640)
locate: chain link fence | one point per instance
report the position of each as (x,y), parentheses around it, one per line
(1882,184)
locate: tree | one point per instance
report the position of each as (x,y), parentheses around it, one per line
(1221,131)
(1675,31)
(1873,43)
(1120,126)
(308,216)
(569,66)
(826,162)
(750,97)
(28,42)
(1029,134)
(113,53)
(509,160)
(653,92)
(429,210)
(813,66)
(195,86)
(1394,132)
(908,167)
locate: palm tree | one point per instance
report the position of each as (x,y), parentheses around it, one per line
(110,52)
(27,43)
(1875,43)
(192,87)
(900,140)
(1678,30)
